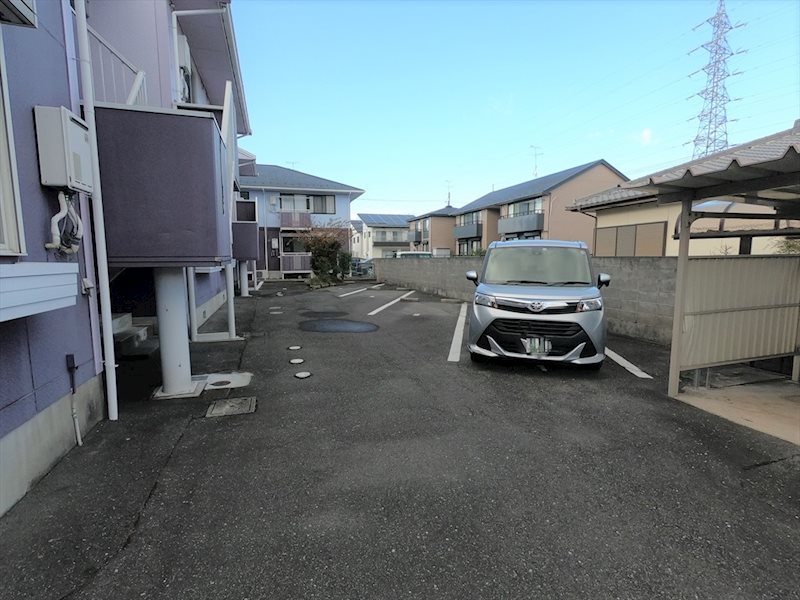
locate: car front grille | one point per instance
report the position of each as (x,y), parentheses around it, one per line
(530,328)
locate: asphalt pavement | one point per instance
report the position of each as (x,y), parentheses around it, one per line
(393,472)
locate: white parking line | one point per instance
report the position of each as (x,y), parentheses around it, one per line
(626,365)
(375,287)
(395,301)
(458,335)
(351,293)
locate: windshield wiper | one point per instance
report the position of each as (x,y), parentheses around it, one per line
(570,282)
(527,281)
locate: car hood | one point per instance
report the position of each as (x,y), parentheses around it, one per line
(539,292)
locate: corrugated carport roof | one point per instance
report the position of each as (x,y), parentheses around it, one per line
(764,171)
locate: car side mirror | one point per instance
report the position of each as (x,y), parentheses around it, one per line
(472,276)
(603,279)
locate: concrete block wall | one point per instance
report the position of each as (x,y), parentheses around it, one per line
(641,298)
(639,302)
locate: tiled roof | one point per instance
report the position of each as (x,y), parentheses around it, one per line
(373,220)
(530,189)
(280,178)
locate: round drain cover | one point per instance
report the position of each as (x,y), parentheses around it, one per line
(275,312)
(302,374)
(297,361)
(295,347)
(220,383)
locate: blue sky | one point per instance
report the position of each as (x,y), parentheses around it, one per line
(405,98)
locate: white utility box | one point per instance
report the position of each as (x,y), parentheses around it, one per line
(65,157)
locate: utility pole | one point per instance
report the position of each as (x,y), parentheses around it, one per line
(712,130)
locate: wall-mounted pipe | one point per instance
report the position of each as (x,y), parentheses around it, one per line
(101,253)
(72,368)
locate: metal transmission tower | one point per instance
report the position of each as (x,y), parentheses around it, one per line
(712,132)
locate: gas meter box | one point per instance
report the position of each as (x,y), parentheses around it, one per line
(65,157)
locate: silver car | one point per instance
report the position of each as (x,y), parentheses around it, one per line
(537,299)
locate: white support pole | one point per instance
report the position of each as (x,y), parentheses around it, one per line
(680,301)
(244,289)
(192,304)
(176,368)
(101,253)
(231,312)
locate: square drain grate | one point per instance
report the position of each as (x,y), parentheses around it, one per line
(232,406)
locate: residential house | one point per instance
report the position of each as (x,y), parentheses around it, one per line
(358,245)
(433,232)
(385,235)
(534,209)
(162,96)
(289,204)
(631,222)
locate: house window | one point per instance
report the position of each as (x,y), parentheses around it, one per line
(244,195)
(323,205)
(295,202)
(470,218)
(527,207)
(11,238)
(291,245)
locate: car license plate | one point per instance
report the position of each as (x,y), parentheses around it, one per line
(537,345)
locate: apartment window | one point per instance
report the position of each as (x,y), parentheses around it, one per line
(527,207)
(244,195)
(323,205)
(469,218)
(644,239)
(11,238)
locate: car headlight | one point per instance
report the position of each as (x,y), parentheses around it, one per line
(485,300)
(590,304)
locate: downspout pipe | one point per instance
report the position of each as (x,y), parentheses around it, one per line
(98,219)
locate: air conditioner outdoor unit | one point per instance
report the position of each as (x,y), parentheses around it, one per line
(18,12)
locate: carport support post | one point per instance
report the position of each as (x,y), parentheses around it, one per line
(680,301)
(796,362)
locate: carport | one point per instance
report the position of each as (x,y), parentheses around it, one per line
(731,309)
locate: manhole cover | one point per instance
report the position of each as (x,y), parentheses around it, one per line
(297,361)
(337,326)
(302,375)
(232,406)
(219,383)
(294,347)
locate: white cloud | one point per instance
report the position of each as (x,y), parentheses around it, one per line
(646,137)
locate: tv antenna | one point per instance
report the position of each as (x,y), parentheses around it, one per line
(536,155)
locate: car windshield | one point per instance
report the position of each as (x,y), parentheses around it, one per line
(537,265)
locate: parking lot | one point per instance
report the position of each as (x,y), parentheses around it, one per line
(399,468)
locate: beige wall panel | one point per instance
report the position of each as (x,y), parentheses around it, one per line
(442,233)
(562,224)
(490,217)
(606,242)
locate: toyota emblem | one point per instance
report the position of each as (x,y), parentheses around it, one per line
(536,306)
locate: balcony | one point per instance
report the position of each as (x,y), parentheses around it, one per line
(470,230)
(525,223)
(415,237)
(295,220)
(296,263)
(167,187)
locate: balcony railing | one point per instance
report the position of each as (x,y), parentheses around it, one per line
(296,263)
(295,220)
(523,223)
(469,230)
(116,80)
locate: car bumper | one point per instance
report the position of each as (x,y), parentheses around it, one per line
(576,338)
